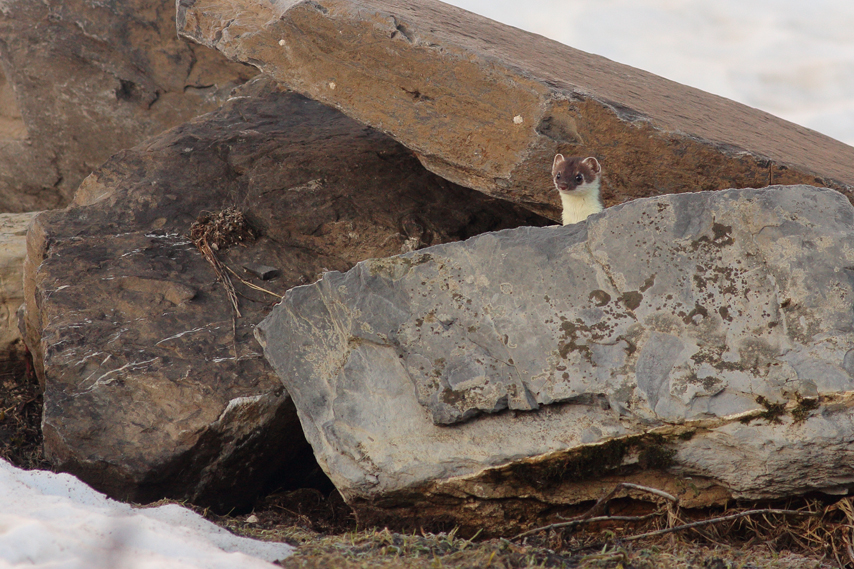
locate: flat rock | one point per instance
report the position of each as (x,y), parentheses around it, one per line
(152,387)
(487,105)
(82,80)
(701,343)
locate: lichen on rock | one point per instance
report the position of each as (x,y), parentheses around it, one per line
(716,313)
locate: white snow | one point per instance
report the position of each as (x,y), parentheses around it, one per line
(55,521)
(791,58)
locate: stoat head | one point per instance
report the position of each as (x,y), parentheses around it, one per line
(575,173)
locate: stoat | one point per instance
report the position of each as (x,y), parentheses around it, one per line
(578,180)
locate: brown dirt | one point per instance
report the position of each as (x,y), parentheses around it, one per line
(20,412)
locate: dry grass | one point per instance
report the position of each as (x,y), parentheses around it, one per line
(325,535)
(218,231)
(370,549)
(222,229)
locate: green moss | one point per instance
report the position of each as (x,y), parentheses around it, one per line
(772,413)
(802,411)
(656,457)
(595,461)
(686,436)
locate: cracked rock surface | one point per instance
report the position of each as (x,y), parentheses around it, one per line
(152,389)
(81,80)
(487,105)
(711,333)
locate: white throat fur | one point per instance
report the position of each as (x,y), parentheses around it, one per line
(581,202)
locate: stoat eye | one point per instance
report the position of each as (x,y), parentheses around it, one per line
(557,176)
(579,178)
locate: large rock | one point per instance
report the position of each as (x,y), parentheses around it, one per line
(702,343)
(151,388)
(487,105)
(81,80)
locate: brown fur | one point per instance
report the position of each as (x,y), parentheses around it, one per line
(570,173)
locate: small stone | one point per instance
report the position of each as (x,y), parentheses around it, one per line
(518,119)
(263,272)
(252,519)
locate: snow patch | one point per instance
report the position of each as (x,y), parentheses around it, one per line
(55,521)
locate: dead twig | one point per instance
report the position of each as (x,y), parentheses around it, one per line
(216,231)
(599,505)
(577,522)
(717,520)
(587,517)
(655,491)
(252,285)
(219,231)
(208,254)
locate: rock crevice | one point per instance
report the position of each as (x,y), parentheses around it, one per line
(487,106)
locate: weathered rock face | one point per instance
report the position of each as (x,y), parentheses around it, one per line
(13,248)
(487,105)
(81,80)
(151,388)
(702,335)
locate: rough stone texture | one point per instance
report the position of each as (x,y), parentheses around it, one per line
(148,391)
(487,106)
(81,80)
(13,249)
(704,335)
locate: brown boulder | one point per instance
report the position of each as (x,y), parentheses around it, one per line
(487,106)
(152,389)
(82,80)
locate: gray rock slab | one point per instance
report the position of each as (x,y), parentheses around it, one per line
(724,315)
(487,105)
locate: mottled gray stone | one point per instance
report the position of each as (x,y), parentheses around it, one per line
(660,314)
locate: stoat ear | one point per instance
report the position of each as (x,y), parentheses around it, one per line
(593,164)
(559,159)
